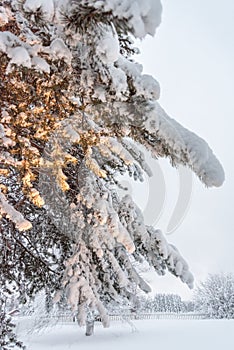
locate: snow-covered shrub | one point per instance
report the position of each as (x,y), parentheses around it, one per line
(215,296)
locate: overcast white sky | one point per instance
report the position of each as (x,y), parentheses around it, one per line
(192,57)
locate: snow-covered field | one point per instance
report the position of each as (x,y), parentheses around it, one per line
(147,334)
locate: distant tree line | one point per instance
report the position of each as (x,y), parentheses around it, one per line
(164,303)
(159,303)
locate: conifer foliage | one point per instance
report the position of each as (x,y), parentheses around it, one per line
(75,106)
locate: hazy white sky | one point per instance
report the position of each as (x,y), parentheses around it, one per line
(192,57)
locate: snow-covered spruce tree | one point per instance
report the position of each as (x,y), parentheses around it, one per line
(215,296)
(75,106)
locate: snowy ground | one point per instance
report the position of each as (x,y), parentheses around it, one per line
(147,334)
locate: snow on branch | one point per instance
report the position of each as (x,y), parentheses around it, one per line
(128,16)
(185,146)
(28,55)
(143,16)
(46,6)
(164,137)
(21,54)
(173,259)
(11,213)
(151,243)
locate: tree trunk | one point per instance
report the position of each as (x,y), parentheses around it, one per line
(89,327)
